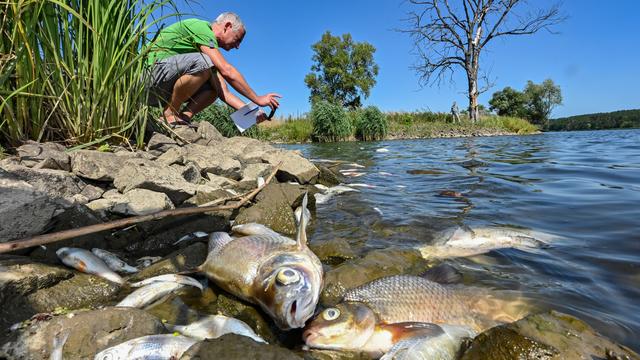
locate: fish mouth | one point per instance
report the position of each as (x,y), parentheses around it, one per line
(308,336)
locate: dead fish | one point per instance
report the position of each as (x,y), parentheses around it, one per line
(348,170)
(444,346)
(250,229)
(322,198)
(149,294)
(466,241)
(58,343)
(113,261)
(299,211)
(279,274)
(378,211)
(356,165)
(214,326)
(384,173)
(353,173)
(260,181)
(191,236)
(156,347)
(362,185)
(147,261)
(174,278)
(84,260)
(370,313)
(382,150)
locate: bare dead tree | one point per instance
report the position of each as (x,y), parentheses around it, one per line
(449,34)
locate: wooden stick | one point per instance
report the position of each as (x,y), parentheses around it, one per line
(68,234)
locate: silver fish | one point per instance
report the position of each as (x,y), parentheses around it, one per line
(280,274)
(113,262)
(253,229)
(443,346)
(191,236)
(298,212)
(149,294)
(84,260)
(465,241)
(147,261)
(174,278)
(58,343)
(152,347)
(214,326)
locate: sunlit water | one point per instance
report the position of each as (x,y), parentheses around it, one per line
(583,186)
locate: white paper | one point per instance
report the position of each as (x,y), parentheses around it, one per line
(245,117)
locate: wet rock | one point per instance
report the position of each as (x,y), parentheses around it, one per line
(272,208)
(293,194)
(141,202)
(327,177)
(231,346)
(181,260)
(45,155)
(150,175)
(208,133)
(96,165)
(232,307)
(24,211)
(294,167)
(174,311)
(334,251)
(89,333)
(213,160)
(374,265)
(161,143)
(551,335)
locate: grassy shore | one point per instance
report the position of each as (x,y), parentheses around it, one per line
(416,125)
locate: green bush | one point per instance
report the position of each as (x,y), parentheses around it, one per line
(371,124)
(330,122)
(219,115)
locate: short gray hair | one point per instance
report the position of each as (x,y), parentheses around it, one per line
(233,18)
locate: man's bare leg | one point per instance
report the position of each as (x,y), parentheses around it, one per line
(199,103)
(184,88)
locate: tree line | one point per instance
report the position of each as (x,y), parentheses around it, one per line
(624,119)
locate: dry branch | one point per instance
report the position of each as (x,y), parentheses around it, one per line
(68,234)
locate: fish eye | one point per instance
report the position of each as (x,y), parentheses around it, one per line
(288,276)
(331,314)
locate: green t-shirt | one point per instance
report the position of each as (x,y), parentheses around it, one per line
(183,37)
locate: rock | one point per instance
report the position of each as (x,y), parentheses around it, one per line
(187,133)
(251,172)
(551,335)
(173,156)
(293,193)
(208,133)
(161,143)
(145,174)
(45,155)
(89,333)
(219,181)
(327,177)
(294,167)
(24,211)
(207,193)
(231,347)
(181,260)
(142,202)
(376,264)
(96,165)
(272,209)
(239,146)
(334,251)
(190,172)
(213,160)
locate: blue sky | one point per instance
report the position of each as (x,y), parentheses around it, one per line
(594,58)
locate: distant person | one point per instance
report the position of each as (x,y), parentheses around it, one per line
(188,72)
(455,112)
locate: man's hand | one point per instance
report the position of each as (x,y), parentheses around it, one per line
(261,117)
(270,100)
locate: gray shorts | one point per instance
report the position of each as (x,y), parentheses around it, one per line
(162,76)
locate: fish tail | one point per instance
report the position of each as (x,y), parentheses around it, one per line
(301,236)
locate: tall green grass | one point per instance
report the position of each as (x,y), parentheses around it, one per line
(330,122)
(371,124)
(70,70)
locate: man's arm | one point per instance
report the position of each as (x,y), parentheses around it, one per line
(237,81)
(218,83)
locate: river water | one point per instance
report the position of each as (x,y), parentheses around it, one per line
(582,186)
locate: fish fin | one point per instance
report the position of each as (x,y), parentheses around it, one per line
(301,235)
(60,338)
(443,274)
(407,330)
(217,240)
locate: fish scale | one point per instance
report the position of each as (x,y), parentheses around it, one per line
(405,298)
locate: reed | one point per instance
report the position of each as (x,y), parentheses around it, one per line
(71,70)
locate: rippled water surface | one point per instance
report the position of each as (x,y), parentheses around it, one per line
(583,186)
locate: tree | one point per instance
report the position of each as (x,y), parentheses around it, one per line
(541,99)
(343,70)
(508,102)
(450,35)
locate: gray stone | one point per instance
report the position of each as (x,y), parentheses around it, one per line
(190,172)
(96,165)
(208,133)
(213,160)
(92,192)
(46,155)
(145,174)
(294,167)
(173,156)
(89,333)
(238,146)
(187,133)
(141,202)
(180,260)
(219,181)
(251,172)
(236,347)
(271,209)
(161,142)
(328,177)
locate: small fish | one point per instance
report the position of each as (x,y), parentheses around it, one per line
(382,150)
(147,261)
(400,186)
(86,262)
(466,241)
(58,343)
(378,211)
(260,181)
(113,262)
(383,173)
(214,326)
(191,236)
(353,173)
(444,346)
(362,185)
(173,278)
(348,170)
(283,276)
(151,293)
(298,212)
(355,165)
(156,347)
(321,187)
